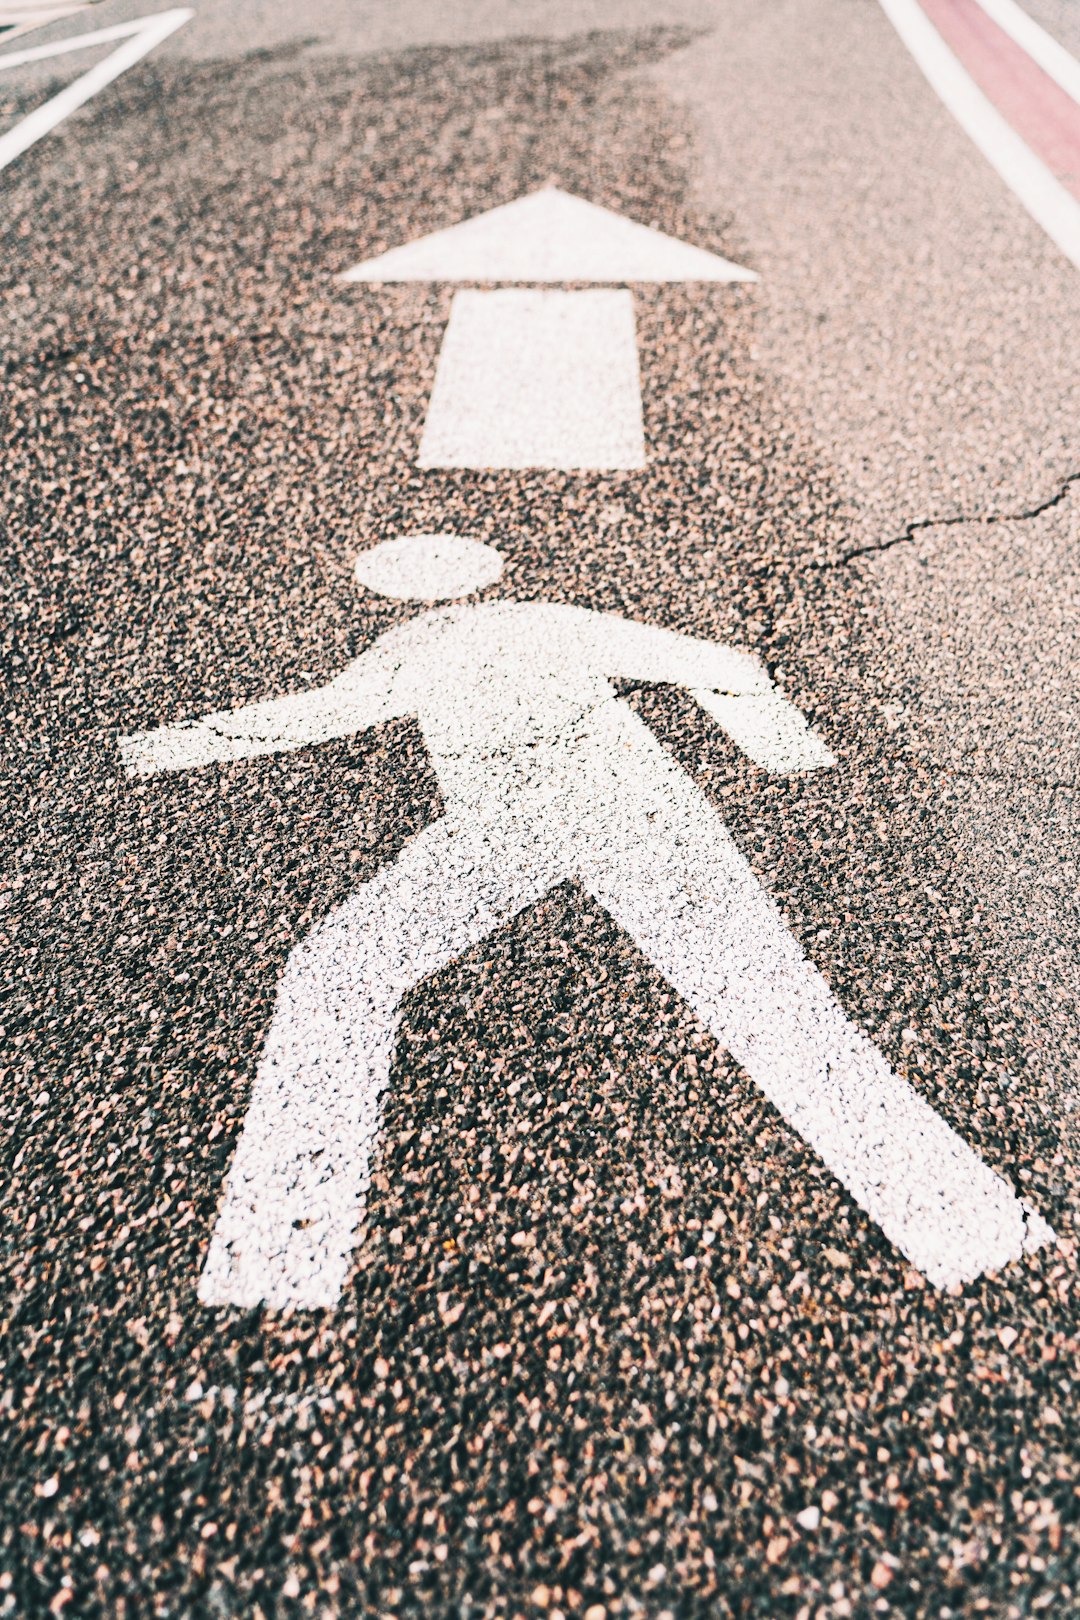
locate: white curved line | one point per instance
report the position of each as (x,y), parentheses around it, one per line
(1026,176)
(1044,50)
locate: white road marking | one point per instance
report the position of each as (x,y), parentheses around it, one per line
(531,378)
(1031,182)
(452,567)
(541,379)
(547,776)
(24,18)
(1043,49)
(64,47)
(141,37)
(548,236)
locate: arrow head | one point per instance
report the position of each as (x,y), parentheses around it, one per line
(548,236)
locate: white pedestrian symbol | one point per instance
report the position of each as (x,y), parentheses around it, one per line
(548,776)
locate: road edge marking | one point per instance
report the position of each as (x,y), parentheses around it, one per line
(1027,177)
(1045,51)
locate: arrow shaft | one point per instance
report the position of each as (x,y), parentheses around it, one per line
(531,378)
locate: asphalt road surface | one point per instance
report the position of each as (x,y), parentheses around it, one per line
(613,1339)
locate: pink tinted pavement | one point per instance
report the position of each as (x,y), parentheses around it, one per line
(1038,109)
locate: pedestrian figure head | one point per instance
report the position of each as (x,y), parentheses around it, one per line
(429,567)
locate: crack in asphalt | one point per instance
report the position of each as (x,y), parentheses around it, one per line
(913,528)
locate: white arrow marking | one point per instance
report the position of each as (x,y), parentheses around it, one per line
(548,236)
(537,379)
(541,379)
(546,775)
(142,36)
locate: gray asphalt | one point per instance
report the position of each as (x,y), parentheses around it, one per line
(923,329)
(615,1342)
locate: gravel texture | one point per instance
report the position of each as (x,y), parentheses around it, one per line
(615,1343)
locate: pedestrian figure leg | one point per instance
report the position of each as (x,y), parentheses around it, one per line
(678,885)
(295,1192)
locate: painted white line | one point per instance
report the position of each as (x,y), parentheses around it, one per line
(535,378)
(142,36)
(548,236)
(546,776)
(16,20)
(62,47)
(1044,50)
(1031,182)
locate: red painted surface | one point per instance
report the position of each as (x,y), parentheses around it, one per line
(1039,111)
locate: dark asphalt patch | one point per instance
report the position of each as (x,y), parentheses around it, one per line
(611,1329)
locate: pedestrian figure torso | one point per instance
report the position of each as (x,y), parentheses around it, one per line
(517,702)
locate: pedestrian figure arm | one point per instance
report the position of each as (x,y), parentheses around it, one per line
(346,704)
(733,687)
(768,728)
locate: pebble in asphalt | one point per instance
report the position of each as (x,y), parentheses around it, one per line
(613,1339)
